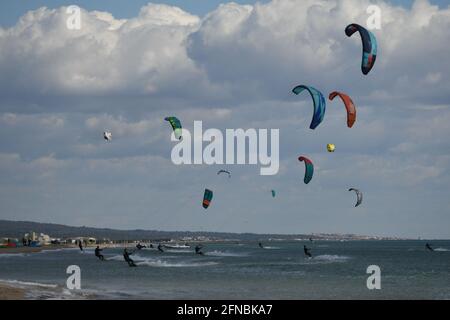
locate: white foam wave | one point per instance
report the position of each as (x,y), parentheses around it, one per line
(217,253)
(116,258)
(160,263)
(331,258)
(28,284)
(176,246)
(50,250)
(441,249)
(177,251)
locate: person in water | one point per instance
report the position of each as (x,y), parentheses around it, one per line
(160,248)
(307,251)
(260,245)
(151,245)
(126,256)
(98,254)
(428,246)
(139,246)
(198,250)
(80,245)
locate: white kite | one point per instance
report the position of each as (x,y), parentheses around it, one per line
(107,135)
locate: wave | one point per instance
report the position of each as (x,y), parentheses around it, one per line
(331,258)
(423,249)
(157,262)
(160,263)
(271,248)
(45,291)
(118,257)
(176,246)
(217,253)
(177,251)
(28,284)
(50,251)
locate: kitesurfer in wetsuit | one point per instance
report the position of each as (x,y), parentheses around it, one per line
(428,246)
(139,246)
(260,245)
(98,254)
(80,245)
(126,256)
(160,248)
(306,250)
(197,250)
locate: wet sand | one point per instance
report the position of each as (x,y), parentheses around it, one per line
(11,293)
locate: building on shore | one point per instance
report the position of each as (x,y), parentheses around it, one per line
(83,240)
(36,239)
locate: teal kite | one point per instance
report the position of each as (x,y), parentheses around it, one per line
(369,45)
(309,169)
(319,104)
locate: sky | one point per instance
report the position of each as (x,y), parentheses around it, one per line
(231,66)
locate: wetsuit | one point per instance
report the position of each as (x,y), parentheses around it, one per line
(306,250)
(98,254)
(80,245)
(140,246)
(160,248)
(127,258)
(429,247)
(197,250)
(260,245)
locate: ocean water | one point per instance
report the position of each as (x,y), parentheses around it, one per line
(240,271)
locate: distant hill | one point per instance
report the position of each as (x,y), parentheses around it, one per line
(16,229)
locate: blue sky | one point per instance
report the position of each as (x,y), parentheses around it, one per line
(136,63)
(11,10)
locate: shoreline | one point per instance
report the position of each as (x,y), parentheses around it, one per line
(17,250)
(8,292)
(21,250)
(25,250)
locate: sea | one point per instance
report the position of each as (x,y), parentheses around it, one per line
(240,270)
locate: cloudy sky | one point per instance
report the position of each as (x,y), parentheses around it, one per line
(231,65)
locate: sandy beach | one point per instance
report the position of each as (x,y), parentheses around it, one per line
(11,293)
